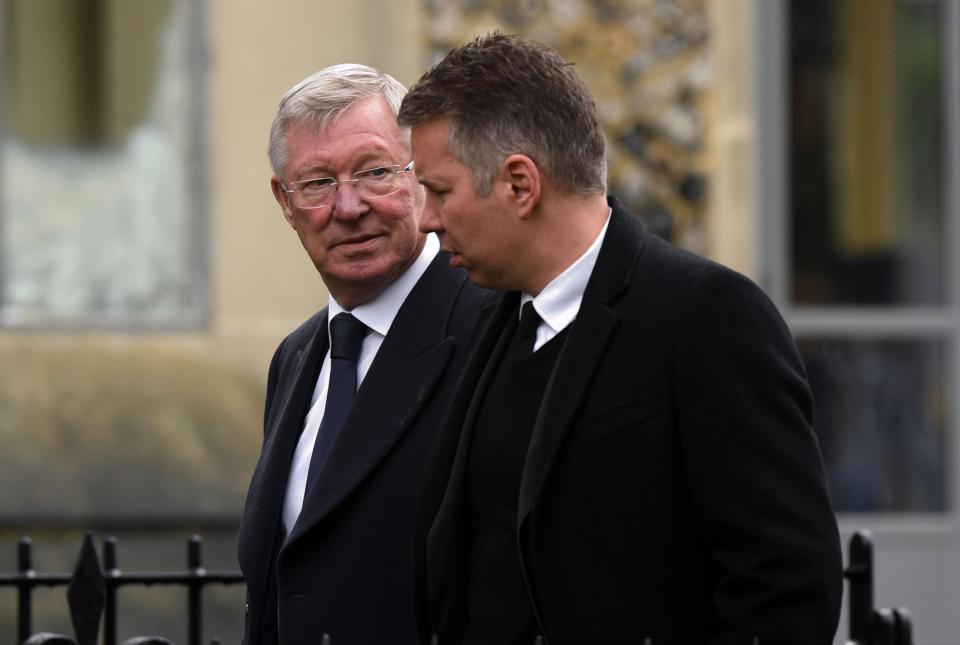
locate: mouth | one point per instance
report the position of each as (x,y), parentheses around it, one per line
(357,242)
(456,259)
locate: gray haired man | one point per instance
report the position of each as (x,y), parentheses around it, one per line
(355,394)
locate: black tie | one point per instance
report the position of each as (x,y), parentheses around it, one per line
(527,330)
(346,338)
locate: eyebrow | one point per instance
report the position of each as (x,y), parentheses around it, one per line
(431,183)
(316,170)
(362,161)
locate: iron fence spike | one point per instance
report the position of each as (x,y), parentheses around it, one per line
(195,552)
(25,554)
(110,553)
(86,594)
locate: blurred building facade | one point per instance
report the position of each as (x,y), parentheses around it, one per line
(146,274)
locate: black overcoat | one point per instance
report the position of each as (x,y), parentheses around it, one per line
(673,488)
(347,567)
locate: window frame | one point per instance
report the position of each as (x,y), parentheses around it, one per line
(198,313)
(771,69)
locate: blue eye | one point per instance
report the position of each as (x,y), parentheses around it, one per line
(311,188)
(321,182)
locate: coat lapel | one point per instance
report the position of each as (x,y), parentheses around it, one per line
(442,539)
(407,369)
(262,514)
(581,354)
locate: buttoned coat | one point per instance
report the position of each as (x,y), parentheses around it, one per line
(346,569)
(673,488)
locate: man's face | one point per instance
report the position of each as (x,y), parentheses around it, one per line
(359,245)
(478,232)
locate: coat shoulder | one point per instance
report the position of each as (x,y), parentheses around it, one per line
(654,265)
(304,333)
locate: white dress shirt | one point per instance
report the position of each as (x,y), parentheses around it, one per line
(378,315)
(559,302)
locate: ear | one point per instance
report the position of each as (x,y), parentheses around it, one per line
(524,182)
(283,199)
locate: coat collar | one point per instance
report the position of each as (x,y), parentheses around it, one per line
(261,517)
(401,379)
(582,351)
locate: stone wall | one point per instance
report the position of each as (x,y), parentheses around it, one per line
(647,63)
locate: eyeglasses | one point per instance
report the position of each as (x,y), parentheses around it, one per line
(371,183)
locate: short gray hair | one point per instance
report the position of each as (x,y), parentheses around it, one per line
(325,95)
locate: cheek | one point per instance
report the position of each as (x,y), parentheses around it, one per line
(405,233)
(401,208)
(451,211)
(403,222)
(310,221)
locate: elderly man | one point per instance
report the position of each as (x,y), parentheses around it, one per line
(356,393)
(631,456)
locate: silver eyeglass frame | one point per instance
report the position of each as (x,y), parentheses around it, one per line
(292,187)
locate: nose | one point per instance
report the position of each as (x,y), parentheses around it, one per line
(430,217)
(348,203)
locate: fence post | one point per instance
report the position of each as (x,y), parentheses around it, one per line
(195,590)
(112,573)
(859,573)
(24,589)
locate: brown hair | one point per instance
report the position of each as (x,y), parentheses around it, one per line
(507,95)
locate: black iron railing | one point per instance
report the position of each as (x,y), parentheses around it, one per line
(870,625)
(92,595)
(92,592)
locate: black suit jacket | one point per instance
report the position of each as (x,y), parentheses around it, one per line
(347,567)
(673,487)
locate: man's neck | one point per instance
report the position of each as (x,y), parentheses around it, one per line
(567,225)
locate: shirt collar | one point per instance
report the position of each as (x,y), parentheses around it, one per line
(559,301)
(378,314)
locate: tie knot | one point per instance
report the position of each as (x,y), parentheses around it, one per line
(346,337)
(529,320)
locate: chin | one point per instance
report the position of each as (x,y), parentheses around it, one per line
(483,281)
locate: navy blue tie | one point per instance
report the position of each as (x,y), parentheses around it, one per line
(346,339)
